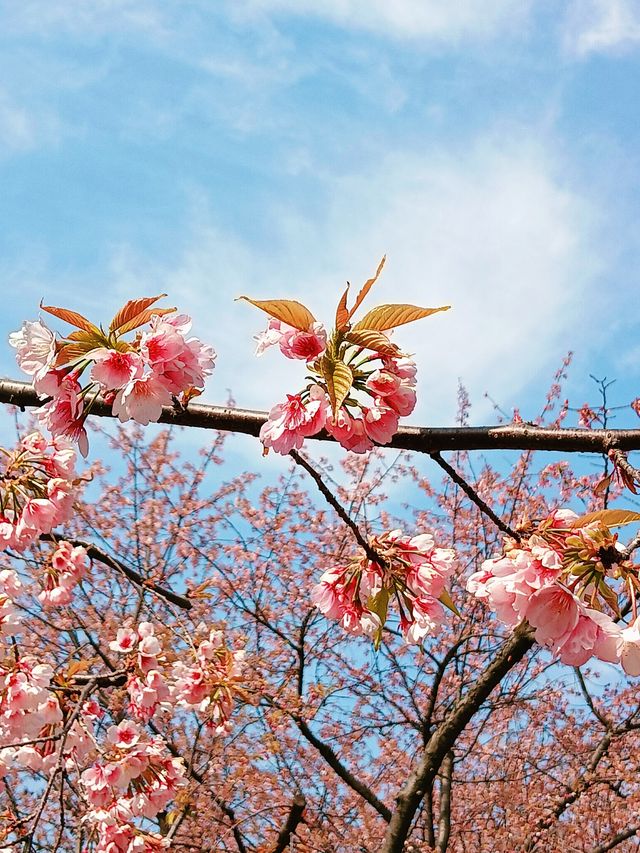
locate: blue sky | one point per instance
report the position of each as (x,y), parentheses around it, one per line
(279,147)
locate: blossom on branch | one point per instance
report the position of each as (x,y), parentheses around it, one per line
(138,376)
(563,579)
(412,574)
(362,380)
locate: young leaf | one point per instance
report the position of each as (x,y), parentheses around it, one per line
(342,314)
(372,340)
(286,310)
(131,309)
(445,598)
(609,517)
(71,317)
(389,316)
(339,379)
(72,352)
(142,318)
(366,287)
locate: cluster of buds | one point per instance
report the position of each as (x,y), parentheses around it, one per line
(136,777)
(157,367)
(558,578)
(210,684)
(359,383)
(64,568)
(411,572)
(37,487)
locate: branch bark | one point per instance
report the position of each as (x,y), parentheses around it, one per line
(445,735)
(295,816)
(416,438)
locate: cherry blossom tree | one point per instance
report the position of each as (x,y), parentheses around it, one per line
(195,661)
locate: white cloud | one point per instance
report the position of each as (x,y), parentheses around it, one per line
(602,26)
(413,19)
(492,230)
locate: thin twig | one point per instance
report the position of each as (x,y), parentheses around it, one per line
(371,553)
(474,496)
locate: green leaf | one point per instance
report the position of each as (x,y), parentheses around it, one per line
(445,598)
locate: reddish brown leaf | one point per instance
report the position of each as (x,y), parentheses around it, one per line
(132,309)
(342,313)
(142,318)
(71,317)
(389,316)
(376,341)
(609,517)
(366,287)
(286,310)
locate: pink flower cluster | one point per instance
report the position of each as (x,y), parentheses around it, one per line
(146,685)
(547,580)
(412,571)
(10,587)
(31,719)
(356,426)
(66,566)
(211,683)
(37,487)
(208,685)
(137,377)
(136,777)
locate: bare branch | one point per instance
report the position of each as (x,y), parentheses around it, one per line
(471,493)
(135,577)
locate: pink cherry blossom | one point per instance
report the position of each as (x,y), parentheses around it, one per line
(291,422)
(114,369)
(35,346)
(380,423)
(141,400)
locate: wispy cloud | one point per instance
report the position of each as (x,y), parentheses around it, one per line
(602,26)
(493,230)
(412,19)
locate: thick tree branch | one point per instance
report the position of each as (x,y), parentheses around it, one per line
(617,839)
(293,819)
(419,439)
(444,737)
(444,820)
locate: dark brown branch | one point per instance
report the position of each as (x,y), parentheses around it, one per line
(295,816)
(419,439)
(371,553)
(444,737)
(338,767)
(106,559)
(617,839)
(444,821)
(474,497)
